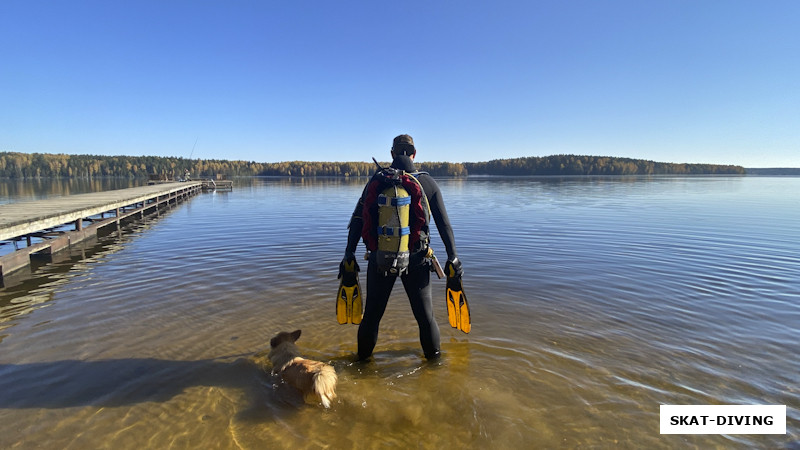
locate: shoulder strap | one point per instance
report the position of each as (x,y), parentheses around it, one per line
(424,196)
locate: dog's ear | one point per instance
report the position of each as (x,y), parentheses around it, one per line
(295,335)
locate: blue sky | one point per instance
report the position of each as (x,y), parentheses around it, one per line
(667,80)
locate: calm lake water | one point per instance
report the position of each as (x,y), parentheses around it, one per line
(594,301)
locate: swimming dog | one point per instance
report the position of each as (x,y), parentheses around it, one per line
(307,376)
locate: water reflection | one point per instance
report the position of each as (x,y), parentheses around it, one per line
(33,287)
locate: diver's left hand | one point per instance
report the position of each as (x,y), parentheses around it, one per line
(348,264)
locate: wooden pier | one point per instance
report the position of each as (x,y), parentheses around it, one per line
(58,222)
(208,184)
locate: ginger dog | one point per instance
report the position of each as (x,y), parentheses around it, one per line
(311,378)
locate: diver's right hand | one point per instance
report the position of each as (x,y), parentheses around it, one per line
(453,268)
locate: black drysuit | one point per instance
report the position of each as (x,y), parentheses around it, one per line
(416,281)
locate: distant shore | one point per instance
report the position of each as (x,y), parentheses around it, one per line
(42,165)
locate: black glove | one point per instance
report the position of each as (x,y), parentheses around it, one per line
(348,264)
(453,268)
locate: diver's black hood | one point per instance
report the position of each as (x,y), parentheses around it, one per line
(404,162)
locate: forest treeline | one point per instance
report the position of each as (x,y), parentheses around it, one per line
(45,165)
(593,165)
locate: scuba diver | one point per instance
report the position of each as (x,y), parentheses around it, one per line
(393,217)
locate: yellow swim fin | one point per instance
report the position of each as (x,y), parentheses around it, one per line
(349,306)
(345,293)
(457,306)
(356,310)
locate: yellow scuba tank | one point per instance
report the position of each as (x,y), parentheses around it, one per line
(394,206)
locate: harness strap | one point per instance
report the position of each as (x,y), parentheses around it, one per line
(395,201)
(394,231)
(414,176)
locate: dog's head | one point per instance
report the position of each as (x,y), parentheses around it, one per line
(284,336)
